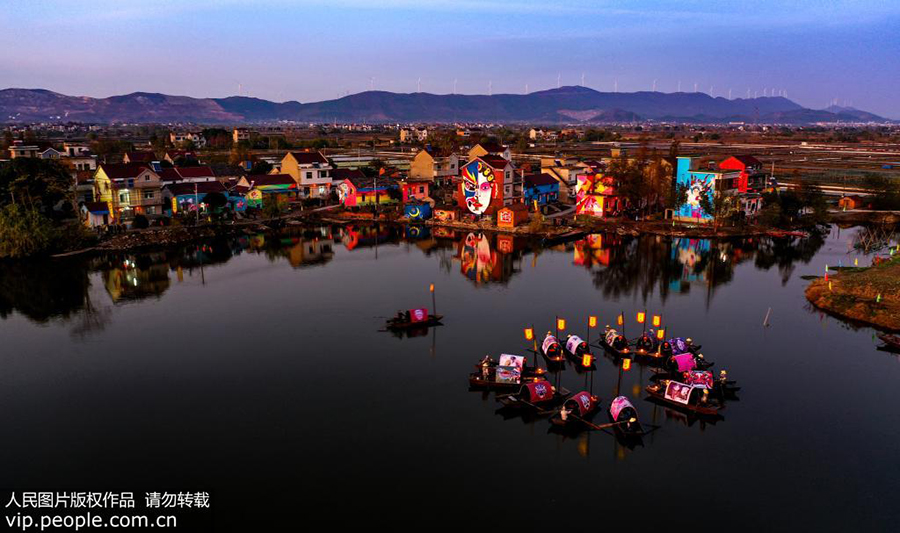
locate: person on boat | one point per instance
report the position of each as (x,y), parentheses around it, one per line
(406,316)
(564,413)
(399,317)
(486,367)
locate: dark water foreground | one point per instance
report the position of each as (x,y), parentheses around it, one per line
(252,368)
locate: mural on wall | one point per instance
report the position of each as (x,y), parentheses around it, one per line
(589,189)
(343,191)
(697,185)
(692,256)
(477,259)
(589,251)
(479,186)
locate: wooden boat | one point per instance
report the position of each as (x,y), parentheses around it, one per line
(412,319)
(576,412)
(625,418)
(538,396)
(578,352)
(890,341)
(647,349)
(685,397)
(494,375)
(614,343)
(551,350)
(722,387)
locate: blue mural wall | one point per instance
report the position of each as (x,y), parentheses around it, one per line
(417,211)
(698,183)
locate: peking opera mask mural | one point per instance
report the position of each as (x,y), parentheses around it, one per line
(478,186)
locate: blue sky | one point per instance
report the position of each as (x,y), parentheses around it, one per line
(815,51)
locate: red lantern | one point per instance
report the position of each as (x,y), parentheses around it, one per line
(660,334)
(640,318)
(592,321)
(529,334)
(560,323)
(586,360)
(626,364)
(657,320)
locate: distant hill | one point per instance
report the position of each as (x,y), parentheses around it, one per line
(555,106)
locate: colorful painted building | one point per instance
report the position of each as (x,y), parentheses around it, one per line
(360,191)
(415,190)
(417,212)
(487,183)
(259,185)
(128,189)
(746,165)
(699,183)
(596,196)
(541,188)
(511,216)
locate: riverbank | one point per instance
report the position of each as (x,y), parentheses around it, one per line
(867,295)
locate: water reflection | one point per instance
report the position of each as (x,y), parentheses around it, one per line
(619,265)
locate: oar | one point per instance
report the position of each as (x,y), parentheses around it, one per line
(601,426)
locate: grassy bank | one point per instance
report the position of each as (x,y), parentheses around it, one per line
(853,294)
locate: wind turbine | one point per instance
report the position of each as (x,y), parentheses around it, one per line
(582,79)
(419,85)
(371,83)
(679,85)
(558,77)
(454,85)
(729,93)
(654,85)
(526,88)
(616,86)
(695,86)
(490,88)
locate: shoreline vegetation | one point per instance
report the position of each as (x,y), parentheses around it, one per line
(869,296)
(160,237)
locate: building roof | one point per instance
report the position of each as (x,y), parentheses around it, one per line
(140,157)
(262,180)
(519,207)
(203,187)
(365,182)
(495,161)
(97,208)
(340,174)
(534,180)
(121,171)
(492,147)
(748,160)
(310,158)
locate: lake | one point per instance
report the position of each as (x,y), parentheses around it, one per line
(254,368)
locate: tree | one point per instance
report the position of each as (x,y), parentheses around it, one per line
(721,206)
(24,232)
(272,206)
(140,222)
(884,192)
(215,201)
(36,183)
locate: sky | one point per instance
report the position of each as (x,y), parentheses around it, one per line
(816,52)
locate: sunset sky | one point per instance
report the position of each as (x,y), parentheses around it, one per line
(816,51)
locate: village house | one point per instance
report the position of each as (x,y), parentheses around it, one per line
(541,188)
(434,165)
(95,214)
(179,138)
(50,153)
(281,186)
(415,190)
(488,148)
(358,191)
(129,188)
(746,165)
(76,149)
(241,134)
(409,135)
(186,174)
(311,171)
(181,197)
(511,216)
(564,171)
(179,156)
(507,184)
(699,182)
(17,149)
(139,157)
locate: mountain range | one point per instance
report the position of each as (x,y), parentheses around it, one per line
(565,105)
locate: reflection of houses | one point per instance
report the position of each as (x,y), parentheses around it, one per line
(128,281)
(691,256)
(591,252)
(354,236)
(306,252)
(482,263)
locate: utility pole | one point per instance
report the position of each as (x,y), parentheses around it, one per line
(197,202)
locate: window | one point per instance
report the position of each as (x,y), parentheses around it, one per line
(123,197)
(309,175)
(148,195)
(146,177)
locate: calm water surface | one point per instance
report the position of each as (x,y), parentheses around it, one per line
(254,368)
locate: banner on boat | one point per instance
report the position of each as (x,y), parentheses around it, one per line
(510,368)
(573,343)
(549,341)
(679,345)
(617,405)
(539,391)
(584,401)
(611,335)
(702,379)
(678,392)
(685,362)
(418,315)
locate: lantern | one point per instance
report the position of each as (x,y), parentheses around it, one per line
(640,318)
(560,323)
(431,288)
(626,364)
(592,321)
(660,334)
(586,360)
(621,319)
(657,320)
(529,334)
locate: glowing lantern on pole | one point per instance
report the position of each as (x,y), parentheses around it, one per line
(560,323)
(586,360)
(626,364)
(529,334)
(657,320)
(640,318)
(660,334)
(620,320)
(592,321)
(431,288)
